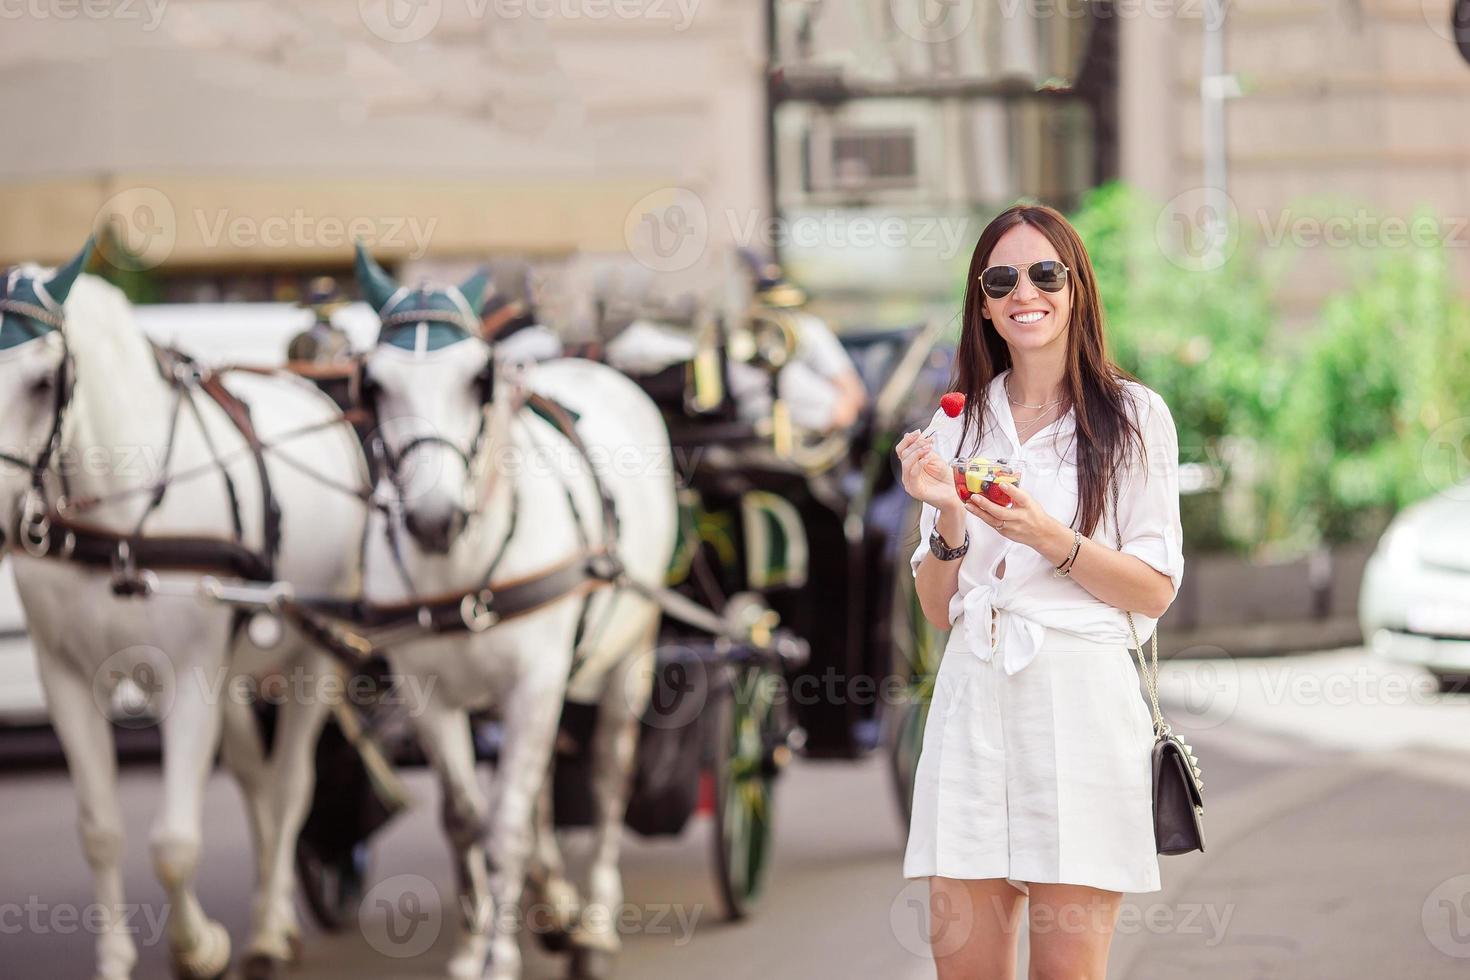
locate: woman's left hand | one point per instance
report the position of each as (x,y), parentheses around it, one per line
(1024,521)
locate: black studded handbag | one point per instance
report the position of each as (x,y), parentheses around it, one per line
(1179,807)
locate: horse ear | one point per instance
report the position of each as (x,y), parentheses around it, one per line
(58,287)
(377,286)
(476,289)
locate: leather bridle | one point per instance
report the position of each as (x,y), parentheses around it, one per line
(395,458)
(35,523)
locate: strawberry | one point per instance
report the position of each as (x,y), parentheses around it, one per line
(959,483)
(953,403)
(995,494)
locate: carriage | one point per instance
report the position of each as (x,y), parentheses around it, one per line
(814,534)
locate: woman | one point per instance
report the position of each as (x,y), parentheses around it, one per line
(1033,784)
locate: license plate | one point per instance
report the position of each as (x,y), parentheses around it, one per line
(1439,619)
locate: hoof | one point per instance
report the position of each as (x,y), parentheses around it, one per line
(559,898)
(208,960)
(295,945)
(117,961)
(591,964)
(259,966)
(554,939)
(470,959)
(604,940)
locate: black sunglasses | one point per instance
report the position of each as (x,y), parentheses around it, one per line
(1047,275)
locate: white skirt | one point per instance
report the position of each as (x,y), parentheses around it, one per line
(1044,775)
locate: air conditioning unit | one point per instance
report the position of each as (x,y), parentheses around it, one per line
(854,159)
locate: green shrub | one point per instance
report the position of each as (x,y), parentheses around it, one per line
(1202,339)
(1337,420)
(1384,368)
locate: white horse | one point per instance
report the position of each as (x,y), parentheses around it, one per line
(477,479)
(95,431)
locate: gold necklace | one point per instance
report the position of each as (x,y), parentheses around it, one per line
(1015,401)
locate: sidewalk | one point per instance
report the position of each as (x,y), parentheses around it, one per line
(1337,792)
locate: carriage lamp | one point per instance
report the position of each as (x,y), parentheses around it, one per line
(782,437)
(708,388)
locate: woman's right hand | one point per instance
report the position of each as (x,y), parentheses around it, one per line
(926,477)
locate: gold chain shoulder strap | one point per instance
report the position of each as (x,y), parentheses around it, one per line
(1150,677)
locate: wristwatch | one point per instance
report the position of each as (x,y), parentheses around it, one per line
(943,551)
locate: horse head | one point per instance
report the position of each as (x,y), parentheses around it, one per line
(35,369)
(430,378)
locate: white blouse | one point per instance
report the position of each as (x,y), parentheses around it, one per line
(1028,598)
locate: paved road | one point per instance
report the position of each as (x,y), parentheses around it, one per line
(1339,846)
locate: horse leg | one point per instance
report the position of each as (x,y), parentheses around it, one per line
(531,713)
(200,947)
(86,738)
(547,884)
(445,735)
(614,746)
(275,930)
(244,755)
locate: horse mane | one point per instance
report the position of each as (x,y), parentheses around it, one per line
(104,338)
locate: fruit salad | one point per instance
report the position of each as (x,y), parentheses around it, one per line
(985,476)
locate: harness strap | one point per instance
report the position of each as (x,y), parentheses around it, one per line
(564,420)
(237,522)
(561,417)
(87,544)
(55,535)
(477,611)
(238,413)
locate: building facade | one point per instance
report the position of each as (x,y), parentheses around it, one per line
(232,149)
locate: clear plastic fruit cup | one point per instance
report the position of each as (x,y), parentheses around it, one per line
(986,476)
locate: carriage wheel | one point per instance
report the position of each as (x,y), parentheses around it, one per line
(918,647)
(748,747)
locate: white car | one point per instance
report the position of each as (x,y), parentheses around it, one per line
(1415,599)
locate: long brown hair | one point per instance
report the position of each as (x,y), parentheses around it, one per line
(1094,384)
